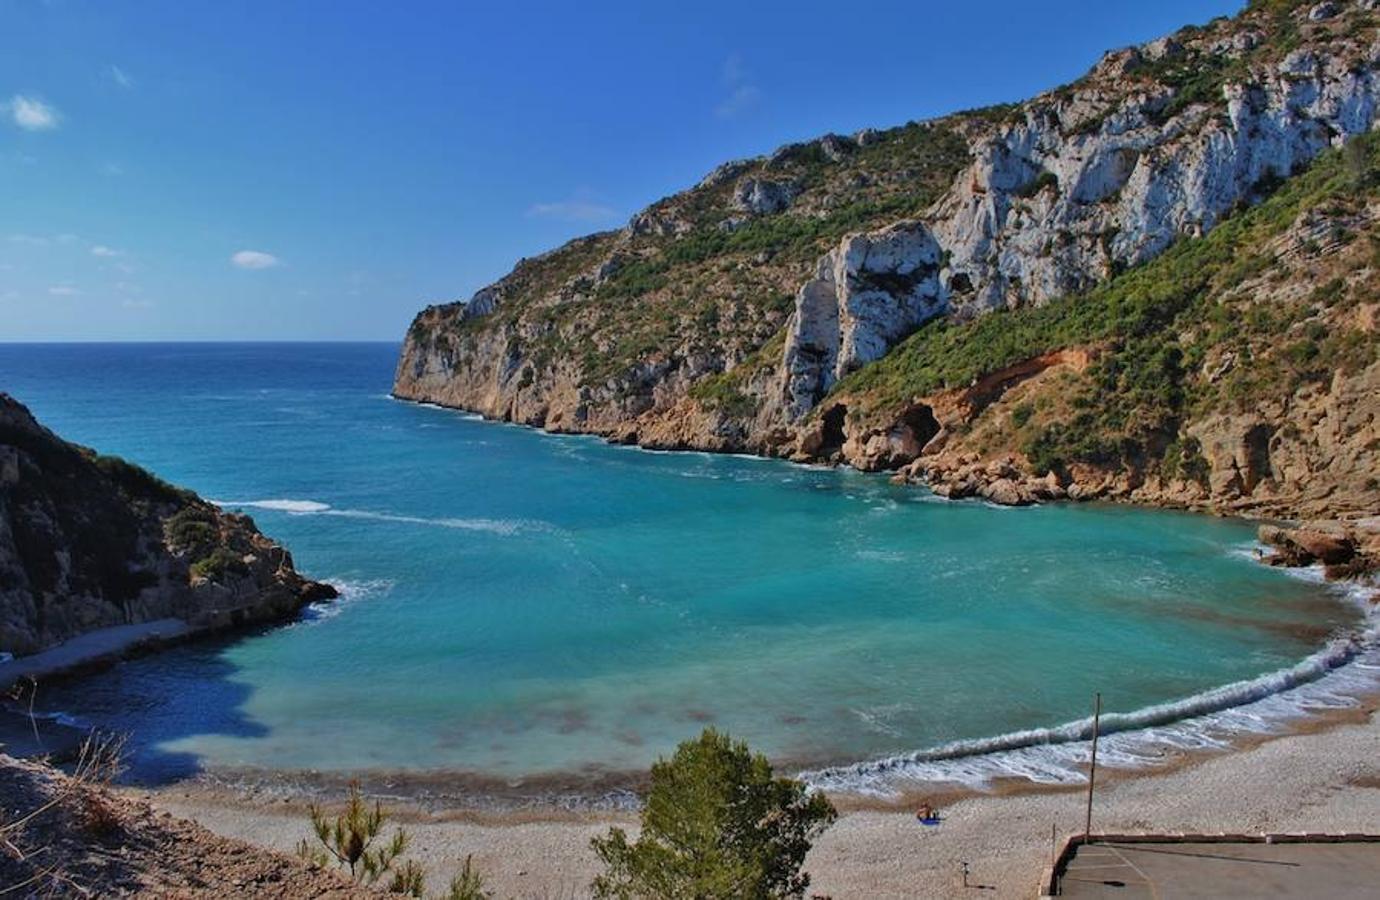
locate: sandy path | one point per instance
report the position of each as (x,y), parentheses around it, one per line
(102,644)
(1322,781)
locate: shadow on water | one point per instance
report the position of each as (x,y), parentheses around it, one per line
(158,700)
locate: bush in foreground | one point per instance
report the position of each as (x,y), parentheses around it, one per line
(717,824)
(352,841)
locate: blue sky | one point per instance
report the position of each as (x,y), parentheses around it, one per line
(314,170)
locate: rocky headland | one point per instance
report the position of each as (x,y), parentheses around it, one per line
(91,545)
(1157,284)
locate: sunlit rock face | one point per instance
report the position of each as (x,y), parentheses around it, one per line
(1042,199)
(867,294)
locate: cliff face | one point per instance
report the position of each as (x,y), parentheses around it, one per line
(90,541)
(1238,372)
(733,315)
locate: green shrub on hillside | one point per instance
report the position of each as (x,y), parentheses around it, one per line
(1038,183)
(720,392)
(218,563)
(139,483)
(192,528)
(1183,458)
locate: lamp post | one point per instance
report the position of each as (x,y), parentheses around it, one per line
(1092,768)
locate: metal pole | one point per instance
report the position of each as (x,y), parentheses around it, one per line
(1092,768)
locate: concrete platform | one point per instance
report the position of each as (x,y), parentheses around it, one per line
(1215,869)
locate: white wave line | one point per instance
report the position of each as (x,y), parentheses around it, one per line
(1332,678)
(506,527)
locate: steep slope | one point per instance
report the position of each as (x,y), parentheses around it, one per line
(1238,372)
(68,836)
(90,541)
(722,317)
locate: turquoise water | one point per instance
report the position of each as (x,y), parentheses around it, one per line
(520,603)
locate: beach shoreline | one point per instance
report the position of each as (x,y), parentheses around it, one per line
(419,794)
(1323,776)
(1041,760)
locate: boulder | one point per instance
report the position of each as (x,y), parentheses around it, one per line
(1329,543)
(1328,549)
(1322,11)
(835,148)
(868,137)
(761,197)
(1006,492)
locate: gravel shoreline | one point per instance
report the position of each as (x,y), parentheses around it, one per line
(1325,778)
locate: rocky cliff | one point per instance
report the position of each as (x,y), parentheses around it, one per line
(89,541)
(832,301)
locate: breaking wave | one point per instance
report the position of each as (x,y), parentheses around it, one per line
(297,507)
(504,527)
(351,591)
(1331,679)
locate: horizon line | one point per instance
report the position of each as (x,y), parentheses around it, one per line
(206,341)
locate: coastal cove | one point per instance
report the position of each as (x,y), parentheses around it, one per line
(573,609)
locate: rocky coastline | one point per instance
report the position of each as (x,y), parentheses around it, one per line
(900,300)
(100,559)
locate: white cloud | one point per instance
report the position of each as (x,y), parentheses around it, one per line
(119,76)
(582,206)
(40,240)
(573,210)
(255,259)
(743,94)
(32,114)
(103,251)
(733,71)
(742,99)
(114,170)
(63,290)
(136,303)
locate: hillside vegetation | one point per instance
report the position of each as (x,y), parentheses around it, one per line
(697,271)
(1220,323)
(1152,283)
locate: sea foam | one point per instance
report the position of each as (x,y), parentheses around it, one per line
(504,527)
(298,507)
(351,591)
(1331,679)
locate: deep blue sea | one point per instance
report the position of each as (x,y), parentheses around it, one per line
(519,603)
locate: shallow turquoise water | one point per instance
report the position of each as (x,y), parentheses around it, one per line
(521,603)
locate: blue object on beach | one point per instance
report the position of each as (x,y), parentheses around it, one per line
(932,820)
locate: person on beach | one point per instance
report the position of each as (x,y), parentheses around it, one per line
(926,813)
